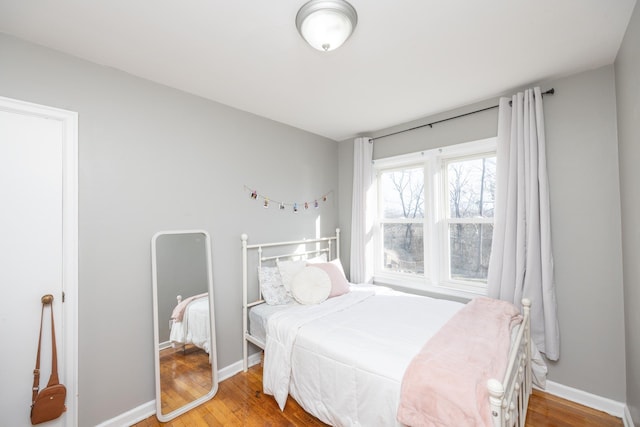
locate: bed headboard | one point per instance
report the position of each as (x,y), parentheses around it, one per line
(265,252)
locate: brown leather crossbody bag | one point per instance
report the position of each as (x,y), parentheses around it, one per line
(48,403)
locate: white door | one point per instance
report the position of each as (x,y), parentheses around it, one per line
(38,253)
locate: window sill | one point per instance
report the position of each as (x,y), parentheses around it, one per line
(419,286)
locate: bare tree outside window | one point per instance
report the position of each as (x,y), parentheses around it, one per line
(471,202)
(403,211)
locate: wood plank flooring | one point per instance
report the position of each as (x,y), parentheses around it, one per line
(240,402)
(547,410)
(186,376)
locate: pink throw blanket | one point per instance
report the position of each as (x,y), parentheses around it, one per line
(178,312)
(446,382)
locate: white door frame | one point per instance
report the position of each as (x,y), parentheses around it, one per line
(69,121)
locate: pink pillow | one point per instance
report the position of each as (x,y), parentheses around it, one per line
(339,284)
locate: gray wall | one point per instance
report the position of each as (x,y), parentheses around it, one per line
(628,97)
(580,122)
(153,158)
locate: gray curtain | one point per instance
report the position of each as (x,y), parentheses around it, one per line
(361,218)
(521,263)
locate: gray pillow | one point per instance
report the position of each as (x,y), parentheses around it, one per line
(271,286)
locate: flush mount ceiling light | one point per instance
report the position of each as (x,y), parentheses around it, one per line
(326,24)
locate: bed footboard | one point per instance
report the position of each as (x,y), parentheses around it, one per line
(509,399)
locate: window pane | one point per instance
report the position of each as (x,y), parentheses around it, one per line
(470,246)
(402,193)
(472,187)
(403,248)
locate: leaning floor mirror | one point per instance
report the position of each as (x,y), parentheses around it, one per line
(184,327)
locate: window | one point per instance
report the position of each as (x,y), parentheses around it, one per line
(469,219)
(434,221)
(402,219)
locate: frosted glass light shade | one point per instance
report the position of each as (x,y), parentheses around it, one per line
(325,24)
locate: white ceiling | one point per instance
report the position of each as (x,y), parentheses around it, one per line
(407,58)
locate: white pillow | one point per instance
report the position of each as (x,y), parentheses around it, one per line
(271,286)
(288,270)
(317,260)
(311,285)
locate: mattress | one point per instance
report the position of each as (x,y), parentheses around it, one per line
(259,316)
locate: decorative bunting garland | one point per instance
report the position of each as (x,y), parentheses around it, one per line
(295,206)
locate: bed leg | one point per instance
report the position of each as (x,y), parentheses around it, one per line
(496,394)
(245,357)
(245,326)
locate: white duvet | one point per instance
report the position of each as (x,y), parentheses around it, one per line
(195,326)
(343,360)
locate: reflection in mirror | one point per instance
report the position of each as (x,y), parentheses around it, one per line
(184,328)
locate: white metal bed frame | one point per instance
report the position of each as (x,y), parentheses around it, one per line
(508,398)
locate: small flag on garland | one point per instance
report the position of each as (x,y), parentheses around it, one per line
(295,206)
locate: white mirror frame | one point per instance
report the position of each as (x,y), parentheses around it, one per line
(214,366)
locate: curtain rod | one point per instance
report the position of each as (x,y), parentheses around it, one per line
(549,92)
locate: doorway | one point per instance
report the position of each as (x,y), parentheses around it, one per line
(38,252)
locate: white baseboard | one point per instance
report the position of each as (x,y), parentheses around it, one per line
(131,417)
(627,420)
(612,407)
(148,409)
(234,368)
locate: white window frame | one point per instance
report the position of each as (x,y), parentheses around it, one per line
(380,221)
(435,222)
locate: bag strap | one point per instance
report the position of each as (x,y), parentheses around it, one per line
(36,371)
(53,379)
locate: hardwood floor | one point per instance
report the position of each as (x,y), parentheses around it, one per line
(547,410)
(185,374)
(240,402)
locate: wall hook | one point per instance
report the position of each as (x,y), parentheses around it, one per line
(47,299)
